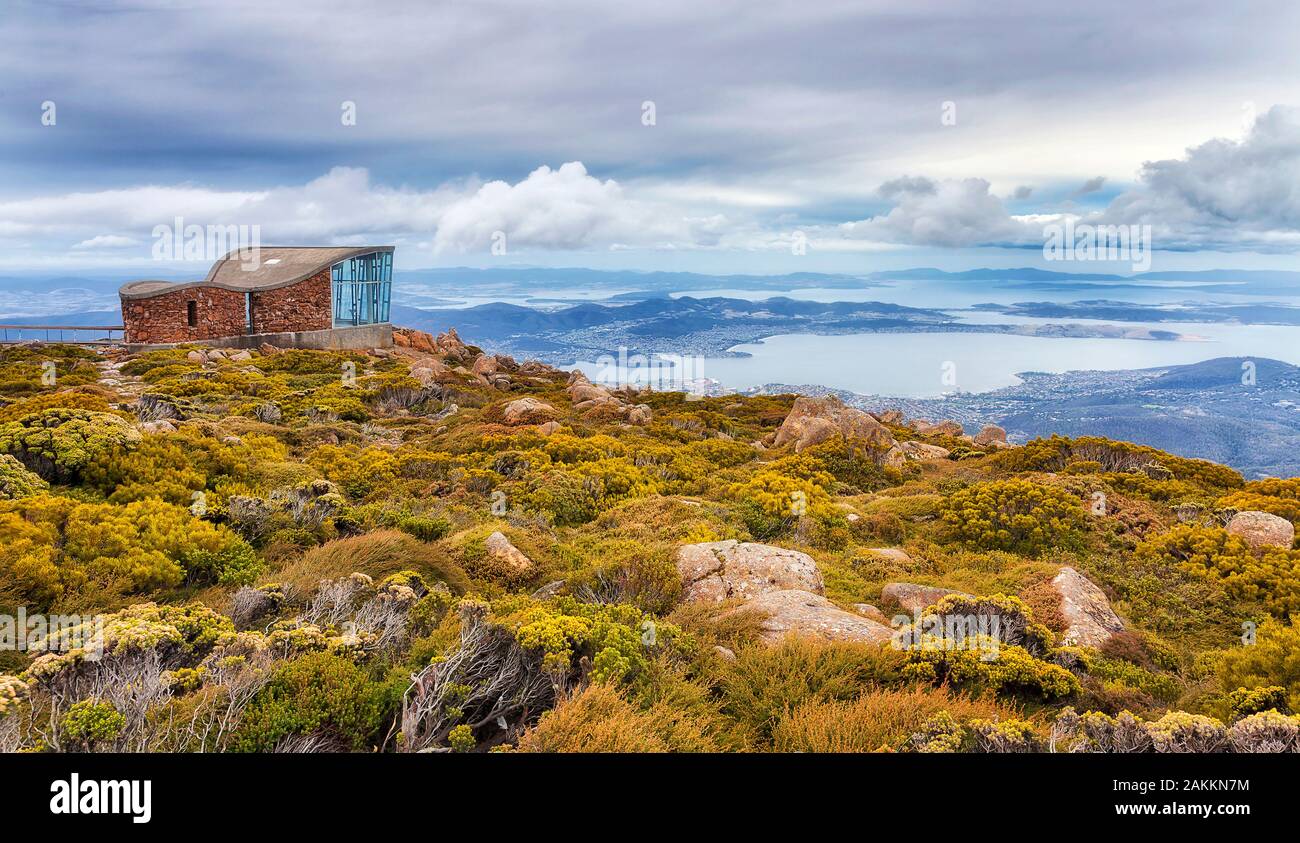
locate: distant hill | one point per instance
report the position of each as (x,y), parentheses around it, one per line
(1025,273)
(1209,410)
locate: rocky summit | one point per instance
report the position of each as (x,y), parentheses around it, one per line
(437,548)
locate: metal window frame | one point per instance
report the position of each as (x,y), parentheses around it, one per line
(362,289)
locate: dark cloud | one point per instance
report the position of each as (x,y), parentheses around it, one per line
(1092,185)
(767,115)
(1224,194)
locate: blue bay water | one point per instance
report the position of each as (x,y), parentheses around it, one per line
(915,364)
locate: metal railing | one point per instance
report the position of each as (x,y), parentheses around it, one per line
(12,334)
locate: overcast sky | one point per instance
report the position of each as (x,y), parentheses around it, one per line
(666,135)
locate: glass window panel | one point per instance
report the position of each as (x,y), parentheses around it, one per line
(363,289)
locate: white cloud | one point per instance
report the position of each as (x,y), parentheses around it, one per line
(106,241)
(1224,194)
(564,208)
(950,213)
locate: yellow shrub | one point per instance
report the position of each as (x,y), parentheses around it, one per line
(600,719)
(875,720)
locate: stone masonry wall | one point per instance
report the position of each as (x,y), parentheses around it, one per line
(305,306)
(164,319)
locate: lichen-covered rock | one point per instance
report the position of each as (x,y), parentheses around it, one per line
(894,554)
(871,612)
(922,451)
(989,434)
(792,611)
(815,420)
(915,598)
(500,549)
(582,390)
(947,427)
(449,345)
(1091,621)
(528,410)
(1262,529)
(727,570)
(159,426)
(428,372)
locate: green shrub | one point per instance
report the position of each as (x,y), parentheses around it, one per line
(425,528)
(1273,659)
(1014,515)
(57,444)
(1056,452)
(1248,701)
(318,694)
(1011,671)
(16,481)
(59,548)
(561,496)
(90,722)
(23,369)
(1270,577)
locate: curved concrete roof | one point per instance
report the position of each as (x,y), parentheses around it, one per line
(276,266)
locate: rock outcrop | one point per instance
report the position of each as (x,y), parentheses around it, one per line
(158,426)
(412,339)
(430,371)
(784,585)
(588,397)
(812,421)
(804,613)
(1262,529)
(500,548)
(727,570)
(871,612)
(894,554)
(1091,620)
(948,427)
(990,434)
(922,451)
(915,598)
(582,390)
(528,410)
